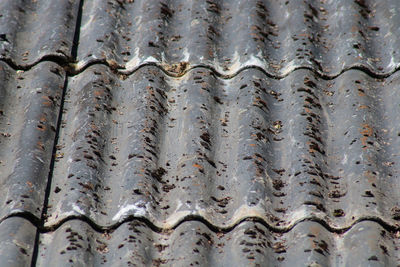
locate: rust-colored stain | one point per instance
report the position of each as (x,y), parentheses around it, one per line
(177,68)
(258,157)
(150,90)
(88,185)
(112,63)
(366,131)
(98,93)
(310,147)
(364,141)
(48,102)
(94,127)
(315,230)
(41,127)
(197,166)
(40,145)
(370,177)
(303,35)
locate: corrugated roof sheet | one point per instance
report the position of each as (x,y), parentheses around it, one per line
(167,148)
(181,133)
(277,36)
(29,107)
(34,30)
(193,244)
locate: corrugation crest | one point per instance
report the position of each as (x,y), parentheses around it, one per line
(17,239)
(226,35)
(166,149)
(29,107)
(192,243)
(32,30)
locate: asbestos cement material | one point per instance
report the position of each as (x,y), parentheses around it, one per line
(193,244)
(36,29)
(211,133)
(166,149)
(229,35)
(29,108)
(17,241)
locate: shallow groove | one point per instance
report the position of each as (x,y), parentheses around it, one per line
(72,70)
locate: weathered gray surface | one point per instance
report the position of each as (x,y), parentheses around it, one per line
(193,244)
(31,30)
(167,148)
(29,109)
(277,36)
(223,113)
(17,241)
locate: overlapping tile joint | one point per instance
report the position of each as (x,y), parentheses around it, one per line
(212,133)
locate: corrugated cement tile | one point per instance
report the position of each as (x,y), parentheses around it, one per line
(17,240)
(278,36)
(29,108)
(193,244)
(165,148)
(31,30)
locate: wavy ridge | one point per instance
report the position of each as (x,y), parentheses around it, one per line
(196,218)
(72,69)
